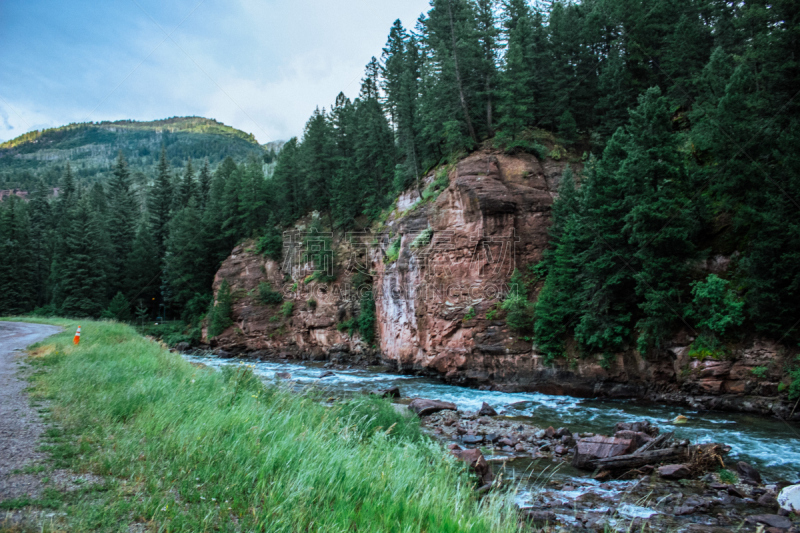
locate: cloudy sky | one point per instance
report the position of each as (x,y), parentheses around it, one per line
(260,66)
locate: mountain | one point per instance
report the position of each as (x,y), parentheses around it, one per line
(91,148)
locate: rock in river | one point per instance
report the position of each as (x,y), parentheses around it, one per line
(487,410)
(283,375)
(427,407)
(391,392)
(748,473)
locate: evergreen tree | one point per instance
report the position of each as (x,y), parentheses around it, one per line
(204,185)
(185,257)
(143,268)
(17,282)
(122,217)
(160,203)
(185,190)
(81,278)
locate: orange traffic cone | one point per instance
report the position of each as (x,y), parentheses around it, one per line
(77,338)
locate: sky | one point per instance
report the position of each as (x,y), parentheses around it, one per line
(260,66)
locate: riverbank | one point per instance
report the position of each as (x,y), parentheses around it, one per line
(512,432)
(183,448)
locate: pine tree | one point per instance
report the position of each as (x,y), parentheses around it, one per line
(558,305)
(43,231)
(288,185)
(81,278)
(122,217)
(204,185)
(118,309)
(517,92)
(17,283)
(186,257)
(143,267)
(160,203)
(185,190)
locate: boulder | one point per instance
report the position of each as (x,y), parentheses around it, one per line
(674,471)
(639,438)
(789,498)
(550,432)
(423,407)
(771,520)
(747,472)
(562,432)
(182,347)
(472,439)
(326,375)
(591,449)
(642,426)
(487,410)
(391,392)
(283,375)
(477,463)
(768,500)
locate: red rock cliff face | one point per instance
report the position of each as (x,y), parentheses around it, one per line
(439,269)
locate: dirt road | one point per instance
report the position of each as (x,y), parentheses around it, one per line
(20,426)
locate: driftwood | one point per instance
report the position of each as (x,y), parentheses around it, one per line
(637,459)
(655,444)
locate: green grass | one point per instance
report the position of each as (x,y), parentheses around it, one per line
(189,449)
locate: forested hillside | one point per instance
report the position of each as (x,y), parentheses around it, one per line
(684,115)
(40,157)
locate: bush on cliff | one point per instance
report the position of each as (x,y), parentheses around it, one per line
(191,449)
(220,314)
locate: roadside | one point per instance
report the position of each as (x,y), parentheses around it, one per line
(183,448)
(23,474)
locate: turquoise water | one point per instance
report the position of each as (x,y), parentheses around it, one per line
(770,445)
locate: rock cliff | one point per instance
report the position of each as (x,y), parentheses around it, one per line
(438,267)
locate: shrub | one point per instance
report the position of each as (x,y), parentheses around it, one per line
(470,314)
(726,476)
(393,252)
(423,239)
(350,325)
(267,295)
(312,303)
(220,315)
(287,308)
(271,245)
(715,307)
(519,310)
(705,347)
(794,386)
(118,309)
(366,318)
(759,372)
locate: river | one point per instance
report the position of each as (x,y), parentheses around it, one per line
(771,445)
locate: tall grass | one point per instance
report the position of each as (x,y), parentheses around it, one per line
(189,449)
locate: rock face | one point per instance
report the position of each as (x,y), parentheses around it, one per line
(438,270)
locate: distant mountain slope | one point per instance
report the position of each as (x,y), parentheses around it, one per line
(92,147)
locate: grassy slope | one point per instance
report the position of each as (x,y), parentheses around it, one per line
(189,449)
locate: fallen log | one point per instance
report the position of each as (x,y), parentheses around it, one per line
(636,460)
(655,444)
